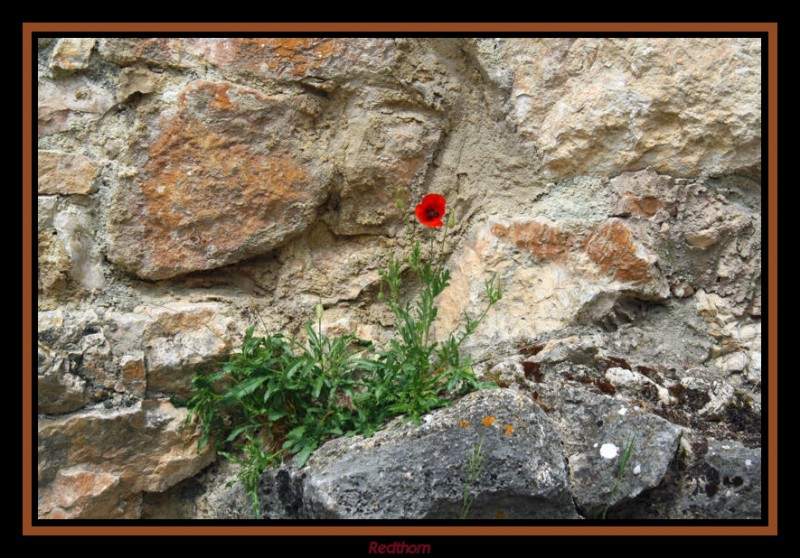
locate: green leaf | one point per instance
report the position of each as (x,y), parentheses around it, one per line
(317,386)
(293,369)
(235,434)
(296,433)
(304,454)
(268,393)
(216,376)
(245,388)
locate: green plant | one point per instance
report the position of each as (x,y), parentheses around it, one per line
(279,396)
(475,460)
(416,374)
(626,455)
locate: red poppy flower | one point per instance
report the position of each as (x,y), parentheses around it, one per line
(431,210)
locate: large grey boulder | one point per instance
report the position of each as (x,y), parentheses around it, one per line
(418,472)
(595,473)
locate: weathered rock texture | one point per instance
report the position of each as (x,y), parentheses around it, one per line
(96,464)
(413,472)
(681,106)
(218,186)
(191,187)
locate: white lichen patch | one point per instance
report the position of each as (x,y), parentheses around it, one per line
(637,469)
(609,451)
(622,411)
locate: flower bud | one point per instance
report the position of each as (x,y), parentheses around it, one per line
(319,310)
(399,200)
(451,221)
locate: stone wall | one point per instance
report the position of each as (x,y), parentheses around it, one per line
(191,187)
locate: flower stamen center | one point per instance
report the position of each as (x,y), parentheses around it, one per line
(431,213)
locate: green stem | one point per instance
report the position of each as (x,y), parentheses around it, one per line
(441,248)
(623,463)
(469,329)
(319,326)
(474,469)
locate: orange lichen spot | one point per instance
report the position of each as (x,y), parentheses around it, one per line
(488,421)
(463,424)
(545,242)
(216,92)
(192,172)
(215,186)
(160,50)
(509,430)
(612,248)
(278,55)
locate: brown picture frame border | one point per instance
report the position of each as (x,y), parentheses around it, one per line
(31,527)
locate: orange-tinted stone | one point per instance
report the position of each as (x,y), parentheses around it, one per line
(637,206)
(211,191)
(284,56)
(648,205)
(612,248)
(70,103)
(65,173)
(543,241)
(203,199)
(610,245)
(134,376)
(72,54)
(160,51)
(96,464)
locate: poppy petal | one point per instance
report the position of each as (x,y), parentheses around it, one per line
(431,210)
(424,218)
(435,201)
